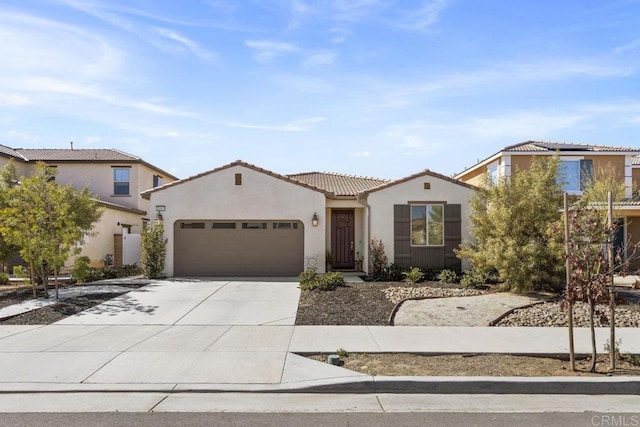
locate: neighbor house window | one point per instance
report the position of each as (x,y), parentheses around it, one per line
(157,181)
(427,225)
(492,173)
(575,174)
(121,181)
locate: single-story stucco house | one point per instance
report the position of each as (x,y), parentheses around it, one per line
(242,220)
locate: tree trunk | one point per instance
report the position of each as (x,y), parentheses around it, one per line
(45,280)
(32,277)
(594,354)
(55,280)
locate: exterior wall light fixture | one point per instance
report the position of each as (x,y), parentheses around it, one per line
(314,220)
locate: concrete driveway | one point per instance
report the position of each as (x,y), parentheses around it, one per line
(199,302)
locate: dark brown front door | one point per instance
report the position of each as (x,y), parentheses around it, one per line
(342,238)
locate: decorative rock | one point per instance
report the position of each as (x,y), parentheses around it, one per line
(395,295)
(551,314)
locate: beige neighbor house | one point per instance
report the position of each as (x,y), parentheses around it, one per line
(116,179)
(242,220)
(579,162)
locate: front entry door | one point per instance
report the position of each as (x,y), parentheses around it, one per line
(342,238)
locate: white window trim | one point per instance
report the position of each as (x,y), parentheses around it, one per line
(572,159)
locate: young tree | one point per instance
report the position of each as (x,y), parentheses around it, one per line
(46,221)
(511,222)
(8,180)
(154,250)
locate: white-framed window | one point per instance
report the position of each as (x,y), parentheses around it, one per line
(492,173)
(427,225)
(157,181)
(121,179)
(575,174)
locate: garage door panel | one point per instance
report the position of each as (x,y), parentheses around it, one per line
(272,251)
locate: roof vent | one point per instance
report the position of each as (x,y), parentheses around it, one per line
(71,145)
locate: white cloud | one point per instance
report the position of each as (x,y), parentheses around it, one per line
(51,85)
(320,59)
(187,43)
(423,18)
(633,45)
(414,136)
(300,125)
(356,10)
(13,99)
(268,50)
(522,125)
(18,134)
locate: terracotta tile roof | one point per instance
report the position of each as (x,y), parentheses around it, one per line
(76,155)
(550,148)
(636,161)
(563,146)
(10,152)
(338,184)
(119,207)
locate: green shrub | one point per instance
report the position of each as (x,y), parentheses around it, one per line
(154,250)
(448,276)
(413,275)
(4,278)
(330,281)
(392,273)
(81,269)
(473,278)
(20,271)
(129,270)
(378,260)
(325,282)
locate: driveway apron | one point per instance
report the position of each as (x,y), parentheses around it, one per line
(194,331)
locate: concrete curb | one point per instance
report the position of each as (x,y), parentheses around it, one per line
(366,385)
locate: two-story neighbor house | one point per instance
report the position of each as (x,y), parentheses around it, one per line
(578,163)
(115,178)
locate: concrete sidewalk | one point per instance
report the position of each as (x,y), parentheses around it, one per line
(256,358)
(239,335)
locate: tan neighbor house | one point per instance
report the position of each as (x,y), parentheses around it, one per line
(115,178)
(242,220)
(578,163)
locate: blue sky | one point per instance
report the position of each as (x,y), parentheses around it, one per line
(367,87)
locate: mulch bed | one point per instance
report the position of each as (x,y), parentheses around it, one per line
(59,311)
(354,304)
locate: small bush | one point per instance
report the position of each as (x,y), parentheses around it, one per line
(392,273)
(413,275)
(20,272)
(4,278)
(448,276)
(473,279)
(378,260)
(81,269)
(324,282)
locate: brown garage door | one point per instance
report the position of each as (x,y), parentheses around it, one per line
(238,248)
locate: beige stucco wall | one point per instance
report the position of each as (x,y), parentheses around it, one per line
(382,202)
(261,196)
(99,179)
(21,167)
(101,241)
(474,177)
